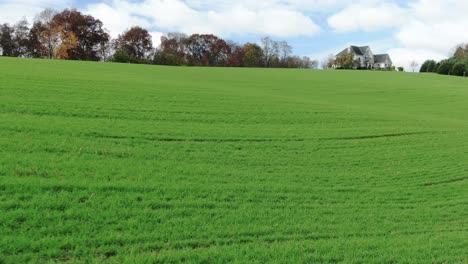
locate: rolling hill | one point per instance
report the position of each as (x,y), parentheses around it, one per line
(120,163)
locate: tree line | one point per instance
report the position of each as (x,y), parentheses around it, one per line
(72,35)
(455,65)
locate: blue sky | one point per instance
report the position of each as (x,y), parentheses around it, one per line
(407,30)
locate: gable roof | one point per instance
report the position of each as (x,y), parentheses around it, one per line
(361,51)
(345,51)
(364,49)
(381,58)
(355,50)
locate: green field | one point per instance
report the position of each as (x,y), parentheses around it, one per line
(117,163)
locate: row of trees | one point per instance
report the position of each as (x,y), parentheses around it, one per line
(71,35)
(456,65)
(65,35)
(210,50)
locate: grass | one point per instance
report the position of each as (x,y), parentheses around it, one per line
(144,164)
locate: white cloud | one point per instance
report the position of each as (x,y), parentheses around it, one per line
(300,5)
(116,20)
(13,10)
(435,26)
(372,17)
(224,18)
(432,30)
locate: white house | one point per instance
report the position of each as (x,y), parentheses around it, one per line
(365,58)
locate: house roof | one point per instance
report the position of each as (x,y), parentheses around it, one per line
(355,50)
(381,58)
(364,49)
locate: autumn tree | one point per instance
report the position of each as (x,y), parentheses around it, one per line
(219,52)
(236,56)
(171,50)
(253,55)
(68,42)
(36,48)
(49,33)
(461,51)
(137,43)
(91,38)
(206,50)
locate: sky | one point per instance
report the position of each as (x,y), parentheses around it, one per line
(412,30)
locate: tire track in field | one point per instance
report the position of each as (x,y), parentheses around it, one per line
(381,136)
(429,184)
(201,140)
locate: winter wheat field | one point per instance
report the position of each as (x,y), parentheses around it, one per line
(116,163)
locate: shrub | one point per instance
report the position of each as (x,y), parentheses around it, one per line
(428,66)
(121,56)
(465,62)
(161,58)
(401,69)
(444,67)
(458,69)
(424,66)
(431,65)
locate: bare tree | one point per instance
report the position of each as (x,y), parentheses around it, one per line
(328,62)
(268,50)
(414,64)
(308,63)
(7,42)
(285,50)
(104,49)
(21,38)
(314,64)
(50,34)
